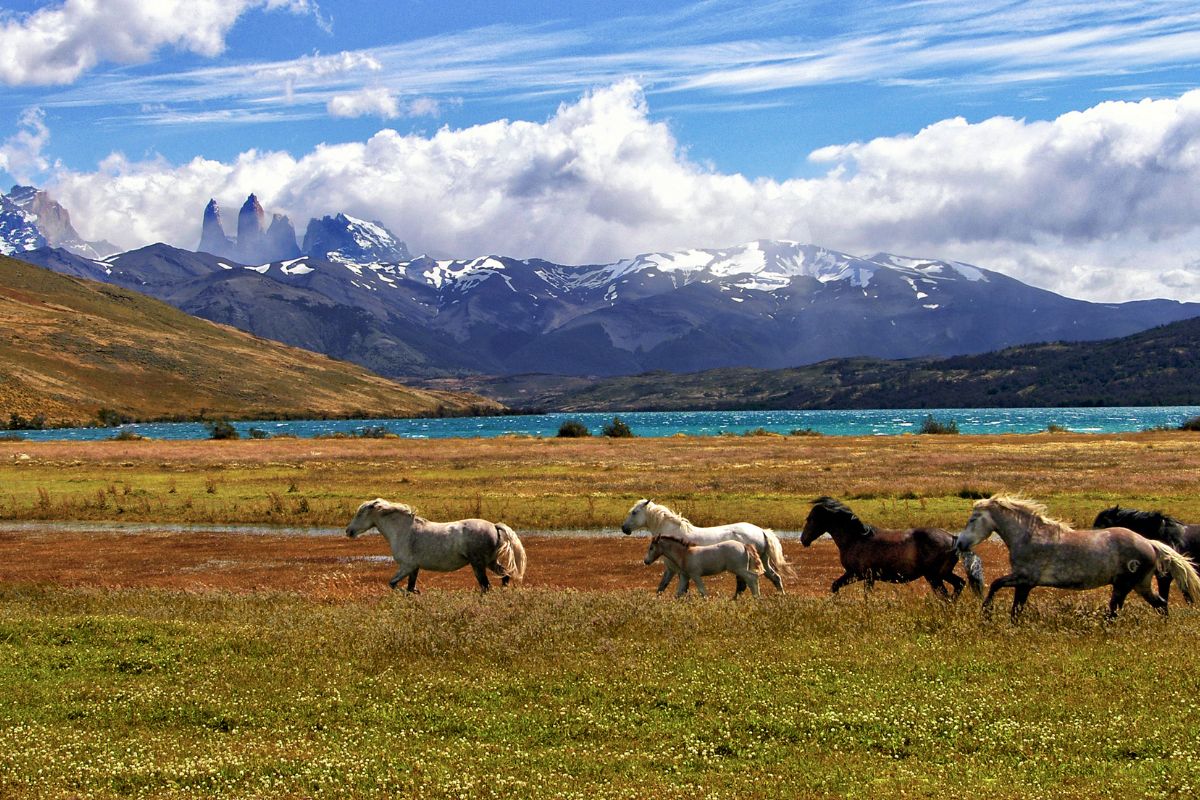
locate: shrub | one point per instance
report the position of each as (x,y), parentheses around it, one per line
(373,432)
(109,418)
(617,429)
(128,436)
(971,493)
(258,433)
(1055,428)
(804,432)
(16,422)
(220,429)
(11,437)
(573,429)
(933,425)
(1192,424)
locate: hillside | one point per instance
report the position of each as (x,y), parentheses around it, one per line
(69,347)
(1160,366)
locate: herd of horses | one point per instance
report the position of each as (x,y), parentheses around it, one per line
(1125,549)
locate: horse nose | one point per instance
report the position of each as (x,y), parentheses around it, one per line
(350,532)
(625,529)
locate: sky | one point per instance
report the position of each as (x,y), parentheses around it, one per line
(1056,141)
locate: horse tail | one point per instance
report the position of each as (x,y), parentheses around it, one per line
(511,553)
(753,560)
(973,564)
(1179,567)
(774,551)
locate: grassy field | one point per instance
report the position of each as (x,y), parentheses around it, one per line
(563,484)
(192,674)
(589,695)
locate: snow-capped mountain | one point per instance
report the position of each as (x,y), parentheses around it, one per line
(29,219)
(764,304)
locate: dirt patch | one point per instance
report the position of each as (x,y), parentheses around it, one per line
(332,567)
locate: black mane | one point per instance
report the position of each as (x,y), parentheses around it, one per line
(843,512)
(1151,524)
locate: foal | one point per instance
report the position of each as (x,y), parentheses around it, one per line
(694,561)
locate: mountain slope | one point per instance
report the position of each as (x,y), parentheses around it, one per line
(1160,366)
(69,347)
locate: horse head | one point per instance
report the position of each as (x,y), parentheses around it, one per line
(636,518)
(979,526)
(831,516)
(370,513)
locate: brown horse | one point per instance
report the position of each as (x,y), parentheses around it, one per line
(898,556)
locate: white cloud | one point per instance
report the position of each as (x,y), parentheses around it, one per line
(58,43)
(378,101)
(1103,203)
(21,154)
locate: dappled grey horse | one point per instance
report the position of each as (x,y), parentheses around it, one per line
(1046,552)
(417,543)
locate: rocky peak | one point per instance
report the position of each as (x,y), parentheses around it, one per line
(212,233)
(345,238)
(281,238)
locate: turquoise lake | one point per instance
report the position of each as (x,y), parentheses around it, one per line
(874,422)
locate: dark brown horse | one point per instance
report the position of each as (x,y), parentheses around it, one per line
(897,556)
(1155,525)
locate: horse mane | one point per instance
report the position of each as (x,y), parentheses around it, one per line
(1034,512)
(840,509)
(660,513)
(675,539)
(388,507)
(1133,515)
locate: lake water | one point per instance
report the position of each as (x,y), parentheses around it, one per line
(875,422)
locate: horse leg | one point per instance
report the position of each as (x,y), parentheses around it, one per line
(668,573)
(955,581)
(683,585)
(1121,589)
(481,576)
(1156,602)
(938,587)
(772,575)
(1164,587)
(846,579)
(700,586)
(1020,595)
(412,581)
(741,584)
(401,573)
(499,570)
(1002,582)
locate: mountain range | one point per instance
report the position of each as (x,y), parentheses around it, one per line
(351,290)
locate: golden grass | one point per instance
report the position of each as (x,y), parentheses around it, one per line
(564,484)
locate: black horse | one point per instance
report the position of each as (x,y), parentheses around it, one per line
(1183,538)
(897,556)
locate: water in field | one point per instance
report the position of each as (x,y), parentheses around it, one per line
(878,422)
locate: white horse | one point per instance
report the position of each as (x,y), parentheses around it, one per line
(660,520)
(694,561)
(417,543)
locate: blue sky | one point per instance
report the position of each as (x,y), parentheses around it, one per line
(726,101)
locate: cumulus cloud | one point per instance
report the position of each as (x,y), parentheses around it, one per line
(21,154)
(58,43)
(1101,203)
(378,101)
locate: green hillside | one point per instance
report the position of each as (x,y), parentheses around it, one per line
(1160,366)
(70,347)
